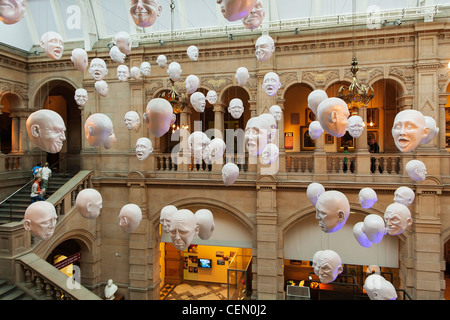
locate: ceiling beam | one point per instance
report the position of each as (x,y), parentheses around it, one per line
(31,26)
(61,29)
(88,24)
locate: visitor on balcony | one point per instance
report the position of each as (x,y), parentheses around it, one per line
(373,148)
(36,190)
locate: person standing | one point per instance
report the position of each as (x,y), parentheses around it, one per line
(46,173)
(36,190)
(373,148)
(36,169)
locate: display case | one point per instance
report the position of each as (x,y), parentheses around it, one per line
(239,277)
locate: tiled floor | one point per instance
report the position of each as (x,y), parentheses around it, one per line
(187,291)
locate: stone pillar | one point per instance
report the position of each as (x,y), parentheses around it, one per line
(143,285)
(440,122)
(219,110)
(267,260)
(427,257)
(280,139)
(15,136)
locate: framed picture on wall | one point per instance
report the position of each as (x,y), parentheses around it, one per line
(309,116)
(346,141)
(373,116)
(306,142)
(289,140)
(329,139)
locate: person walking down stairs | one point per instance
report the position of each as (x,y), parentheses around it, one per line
(36,190)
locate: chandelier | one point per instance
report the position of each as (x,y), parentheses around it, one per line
(356,95)
(178,101)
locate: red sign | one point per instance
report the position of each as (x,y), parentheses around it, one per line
(69,260)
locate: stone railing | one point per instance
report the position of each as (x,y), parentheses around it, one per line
(300,162)
(44,282)
(12,162)
(164,162)
(64,198)
(341,163)
(385,163)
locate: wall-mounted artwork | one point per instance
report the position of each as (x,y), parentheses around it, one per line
(307,143)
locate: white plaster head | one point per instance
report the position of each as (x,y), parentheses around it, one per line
(404,195)
(271,136)
(183,228)
(255,135)
(205,221)
(198,101)
(333,115)
(328,265)
(12,11)
(315,98)
(360,236)
(416,170)
(234,10)
(101,87)
(270,153)
(314,191)
(132,120)
(53,45)
(116,55)
(99,131)
(98,69)
(143,148)
(135,73)
(123,72)
(158,116)
(174,71)
(433,130)
(409,129)
(161,61)
(166,216)
(332,211)
(145,68)
(40,219)
(89,203)
(255,17)
(191,83)
(192,52)
(378,288)
(241,76)
(397,218)
(315,130)
(46,129)
(123,41)
(355,126)
(145,12)
(211,96)
(197,143)
(230,172)
(79,58)
(265,47)
(367,197)
(236,108)
(276,112)
(129,217)
(271,83)
(81,97)
(374,228)
(214,150)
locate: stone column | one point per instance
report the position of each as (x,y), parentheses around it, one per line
(15,136)
(143,284)
(427,257)
(267,260)
(440,122)
(219,110)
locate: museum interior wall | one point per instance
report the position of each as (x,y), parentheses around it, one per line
(265,212)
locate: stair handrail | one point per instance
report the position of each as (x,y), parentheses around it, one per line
(26,184)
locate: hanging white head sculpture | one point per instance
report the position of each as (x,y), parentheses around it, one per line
(234,10)
(230,172)
(265,47)
(143,148)
(256,16)
(332,211)
(333,116)
(40,219)
(46,129)
(81,97)
(89,203)
(416,170)
(158,116)
(130,217)
(166,216)
(12,11)
(145,12)
(315,98)
(99,131)
(409,129)
(53,45)
(79,58)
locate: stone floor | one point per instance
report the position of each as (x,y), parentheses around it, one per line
(186,291)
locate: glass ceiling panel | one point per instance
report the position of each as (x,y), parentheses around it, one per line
(43,18)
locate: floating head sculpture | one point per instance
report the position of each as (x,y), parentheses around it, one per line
(183,228)
(205,221)
(79,58)
(333,115)
(46,129)
(145,12)
(53,45)
(89,203)
(332,211)
(158,116)
(409,129)
(166,216)
(143,148)
(40,219)
(397,218)
(99,131)
(129,217)
(265,47)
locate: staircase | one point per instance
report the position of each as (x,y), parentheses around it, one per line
(21,200)
(12,292)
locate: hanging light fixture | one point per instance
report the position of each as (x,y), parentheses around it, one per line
(178,101)
(356,95)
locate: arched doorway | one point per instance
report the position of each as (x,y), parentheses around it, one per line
(58,95)
(381,112)
(231,239)
(302,238)
(447,120)
(297,117)
(447,270)
(5,125)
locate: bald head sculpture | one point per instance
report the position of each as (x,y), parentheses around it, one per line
(89,203)
(40,219)
(46,129)
(183,229)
